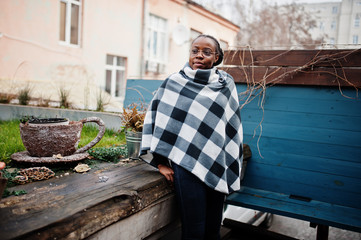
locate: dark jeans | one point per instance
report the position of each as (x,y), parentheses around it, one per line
(201,207)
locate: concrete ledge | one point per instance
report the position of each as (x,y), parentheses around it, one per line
(10,112)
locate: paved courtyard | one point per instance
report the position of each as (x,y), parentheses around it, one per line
(301,230)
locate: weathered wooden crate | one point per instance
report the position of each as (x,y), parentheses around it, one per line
(303,127)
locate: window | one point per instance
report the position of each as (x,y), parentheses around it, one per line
(333,25)
(115,75)
(70,21)
(332,41)
(224,45)
(194,34)
(355,39)
(357,21)
(334,10)
(156,44)
(322,26)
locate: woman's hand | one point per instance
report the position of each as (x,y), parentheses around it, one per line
(2,166)
(166,171)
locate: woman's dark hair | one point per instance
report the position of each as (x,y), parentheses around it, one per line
(219,50)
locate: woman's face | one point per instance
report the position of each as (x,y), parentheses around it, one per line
(203,53)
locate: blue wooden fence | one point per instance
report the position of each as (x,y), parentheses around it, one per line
(139,90)
(306,160)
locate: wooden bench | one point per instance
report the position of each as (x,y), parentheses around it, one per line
(306,160)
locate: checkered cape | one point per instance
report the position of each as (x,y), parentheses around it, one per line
(194,121)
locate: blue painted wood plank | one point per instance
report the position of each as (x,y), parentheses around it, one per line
(301,180)
(306,183)
(312,192)
(313,92)
(305,105)
(344,108)
(308,134)
(310,100)
(325,150)
(351,123)
(313,211)
(309,163)
(139,90)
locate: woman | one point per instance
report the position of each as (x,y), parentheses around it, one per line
(193,133)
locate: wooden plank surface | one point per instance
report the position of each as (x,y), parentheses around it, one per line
(80,204)
(308,105)
(337,58)
(335,167)
(310,119)
(142,224)
(325,76)
(295,67)
(328,93)
(341,190)
(311,134)
(313,211)
(305,149)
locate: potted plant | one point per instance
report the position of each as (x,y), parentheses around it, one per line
(132,123)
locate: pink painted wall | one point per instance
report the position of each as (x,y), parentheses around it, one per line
(31,53)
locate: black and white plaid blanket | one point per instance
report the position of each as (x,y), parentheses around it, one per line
(194,121)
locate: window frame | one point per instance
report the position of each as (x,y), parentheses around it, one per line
(357,21)
(333,25)
(113,68)
(68,8)
(156,62)
(334,9)
(355,39)
(193,34)
(224,44)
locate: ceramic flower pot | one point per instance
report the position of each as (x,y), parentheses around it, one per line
(47,140)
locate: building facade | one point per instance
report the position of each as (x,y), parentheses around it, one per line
(90,49)
(337,22)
